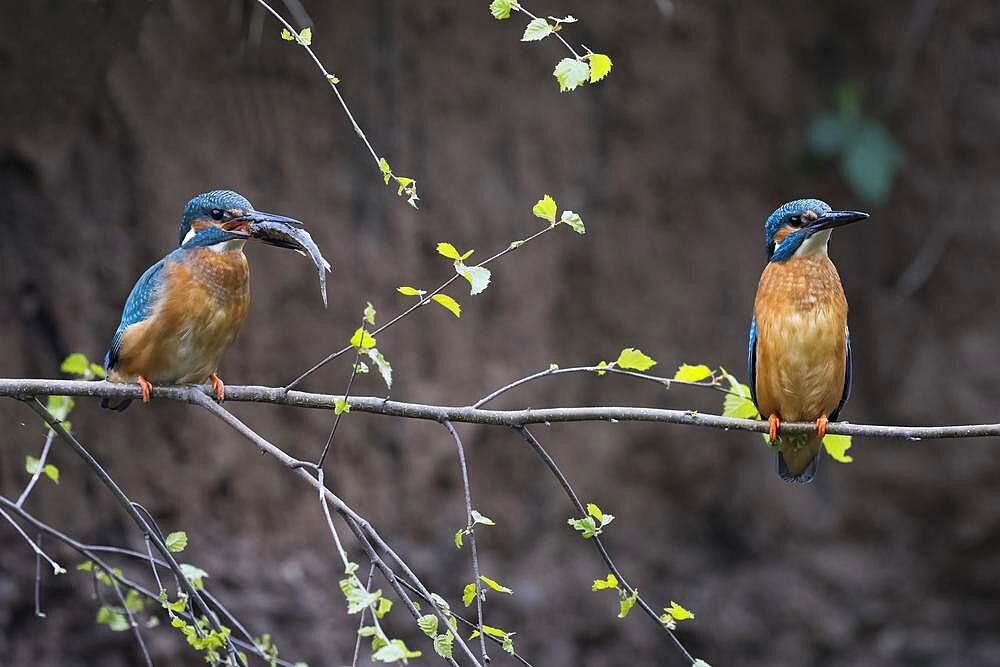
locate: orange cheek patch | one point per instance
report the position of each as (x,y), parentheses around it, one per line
(781,235)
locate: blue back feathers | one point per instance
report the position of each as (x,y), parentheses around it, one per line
(138,307)
(140,302)
(781,217)
(203,205)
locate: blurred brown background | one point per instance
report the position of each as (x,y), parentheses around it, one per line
(113,113)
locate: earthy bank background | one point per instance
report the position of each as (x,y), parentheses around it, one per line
(112,114)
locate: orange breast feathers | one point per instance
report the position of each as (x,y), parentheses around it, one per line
(801,315)
(199,310)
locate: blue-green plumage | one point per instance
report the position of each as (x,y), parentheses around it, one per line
(799,351)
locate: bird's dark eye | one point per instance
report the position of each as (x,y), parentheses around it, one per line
(218,214)
(795,221)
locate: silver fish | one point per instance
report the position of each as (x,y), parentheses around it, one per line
(284,235)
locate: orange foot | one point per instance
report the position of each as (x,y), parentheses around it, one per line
(821,426)
(146,387)
(220,389)
(775,422)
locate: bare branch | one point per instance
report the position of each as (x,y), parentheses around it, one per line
(26,388)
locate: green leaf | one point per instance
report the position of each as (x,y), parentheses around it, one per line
(479,518)
(500,9)
(496,585)
(677,612)
(75,364)
(633,358)
(545,209)
(340,406)
(570,73)
(440,602)
(600,66)
(478,276)
(384,368)
(737,403)
(85,566)
(828,134)
(595,511)
(176,541)
(574,221)
(350,568)
(362,367)
(369,314)
(604,364)
(357,597)
(195,575)
(362,339)
(697,373)
(406,290)
(51,472)
(97,370)
(448,303)
(306,36)
(367,631)
(870,162)
(626,603)
(334,80)
(31,464)
(394,652)
(60,406)
(113,617)
(429,624)
(134,602)
(458,537)
(837,446)
(448,250)
(587,526)
(468,594)
(611,581)
(383,607)
(536,30)
(286,35)
(383,166)
(443,645)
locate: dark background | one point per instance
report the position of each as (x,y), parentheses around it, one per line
(112,114)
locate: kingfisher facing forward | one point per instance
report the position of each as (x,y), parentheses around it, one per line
(800,347)
(186,310)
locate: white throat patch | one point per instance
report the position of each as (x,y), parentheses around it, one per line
(815,244)
(227,246)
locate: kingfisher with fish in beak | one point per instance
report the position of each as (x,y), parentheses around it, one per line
(800,346)
(187,309)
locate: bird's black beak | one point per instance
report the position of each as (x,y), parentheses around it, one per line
(835,219)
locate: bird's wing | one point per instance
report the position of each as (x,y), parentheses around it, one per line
(138,307)
(848,373)
(752,361)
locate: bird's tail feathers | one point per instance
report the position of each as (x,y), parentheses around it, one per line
(117,407)
(798,461)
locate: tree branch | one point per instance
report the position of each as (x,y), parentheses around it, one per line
(27,388)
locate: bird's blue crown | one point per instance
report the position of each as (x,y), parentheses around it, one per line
(202,207)
(783,215)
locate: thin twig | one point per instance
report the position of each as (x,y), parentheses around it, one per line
(713,383)
(90,551)
(564,482)
(56,567)
(347,393)
(127,505)
(41,465)
(471,527)
(423,301)
(38,580)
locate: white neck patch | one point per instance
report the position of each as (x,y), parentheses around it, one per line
(815,245)
(227,246)
(188,236)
